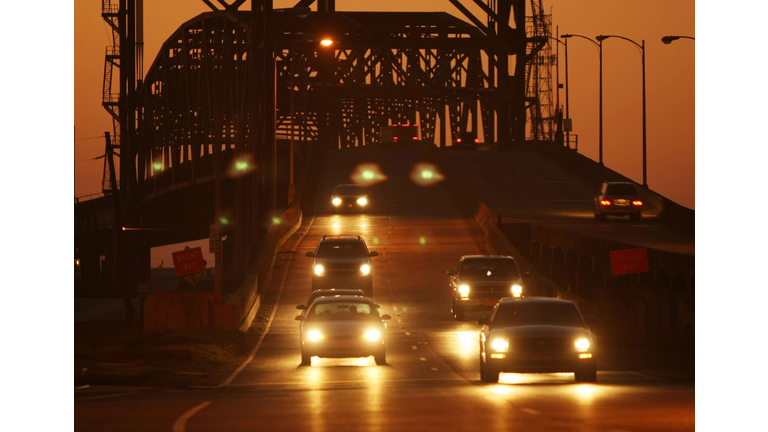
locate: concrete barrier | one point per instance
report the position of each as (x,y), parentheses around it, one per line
(571,266)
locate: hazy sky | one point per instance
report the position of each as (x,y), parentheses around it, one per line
(670,80)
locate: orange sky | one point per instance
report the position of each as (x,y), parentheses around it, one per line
(670,80)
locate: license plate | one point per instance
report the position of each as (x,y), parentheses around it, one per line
(491,302)
(621,202)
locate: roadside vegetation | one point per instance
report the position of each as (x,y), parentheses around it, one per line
(112,354)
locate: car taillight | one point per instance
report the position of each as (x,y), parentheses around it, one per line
(605,202)
(458,140)
(637,203)
(476,141)
(415,138)
(394,139)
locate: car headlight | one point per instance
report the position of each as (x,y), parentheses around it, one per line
(582,344)
(336,201)
(315,335)
(372,335)
(500,344)
(517,290)
(362,201)
(365,269)
(319,269)
(464,290)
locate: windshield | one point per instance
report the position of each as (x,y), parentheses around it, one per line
(489,267)
(341,249)
(342,311)
(516,314)
(349,190)
(620,189)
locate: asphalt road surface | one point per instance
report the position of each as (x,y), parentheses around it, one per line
(431,381)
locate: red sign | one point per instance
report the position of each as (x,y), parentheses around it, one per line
(629,261)
(188,261)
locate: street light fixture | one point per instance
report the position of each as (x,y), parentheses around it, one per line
(599,46)
(601,38)
(668,39)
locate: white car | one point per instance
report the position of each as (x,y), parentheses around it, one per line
(343,326)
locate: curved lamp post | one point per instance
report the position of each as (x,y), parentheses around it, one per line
(599,46)
(601,38)
(668,39)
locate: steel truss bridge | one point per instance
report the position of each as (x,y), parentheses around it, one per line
(230,88)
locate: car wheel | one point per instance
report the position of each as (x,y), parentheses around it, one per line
(381,358)
(589,375)
(306,359)
(488,374)
(458,312)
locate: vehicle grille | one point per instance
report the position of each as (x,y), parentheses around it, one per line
(331,268)
(533,345)
(486,291)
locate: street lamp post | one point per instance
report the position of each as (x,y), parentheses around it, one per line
(599,46)
(668,39)
(566,81)
(642,52)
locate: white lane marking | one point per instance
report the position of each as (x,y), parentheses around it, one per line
(423,358)
(104,396)
(266,329)
(434,368)
(181,423)
(530,411)
(82,387)
(414,347)
(407,333)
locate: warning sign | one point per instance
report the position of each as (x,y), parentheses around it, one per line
(188,261)
(629,261)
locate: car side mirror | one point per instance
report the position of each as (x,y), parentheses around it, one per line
(373,254)
(486,320)
(300,307)
(299,318)
(590,321)
(386,317)
(310,254)
(451,272)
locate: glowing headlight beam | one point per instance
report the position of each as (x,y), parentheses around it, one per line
(315,335)
(372,335)
(365,269)
(582,344)
(336,201)
(517,290)
(464,290)
(500,344)
(362,201)
(319,269)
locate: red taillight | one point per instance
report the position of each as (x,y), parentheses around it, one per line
(458,140)
(394,139)
(415,138)
(605,202)
(637,203)
(476,141)
(394,125)
(406,125)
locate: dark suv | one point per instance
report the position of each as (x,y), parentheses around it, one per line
(618,199)
(342,262)
(479,281)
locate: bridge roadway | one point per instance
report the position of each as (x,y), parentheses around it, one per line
(431,382)
(528,186)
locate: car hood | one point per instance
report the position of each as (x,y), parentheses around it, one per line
(489,280)
(343,327)
(540,331)
(342,261)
